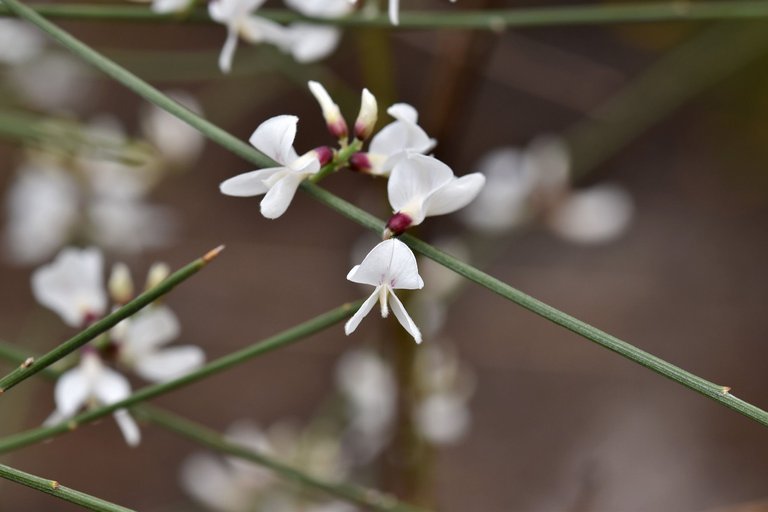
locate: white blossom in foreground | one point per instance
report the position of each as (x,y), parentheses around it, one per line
(594,215)
(92,384)
(394,142)
(389,266)
(72,286)
(274,137)
(240,22)
(141,346)
(422,186)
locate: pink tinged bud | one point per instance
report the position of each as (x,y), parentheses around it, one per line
(398,223)
(360,162)
(324,154)
(331,112)
(366,119)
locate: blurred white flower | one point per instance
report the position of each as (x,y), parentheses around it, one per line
(73,286)
(141,346)
(445,386)
(92,384)
(392,143)
(19,41)
(593,215)
(308,42)
(422,186)
(274,137)
(178,143)
(240,22)
(168,6)
(393,10)
(389,266)
(368,384)
(53,81)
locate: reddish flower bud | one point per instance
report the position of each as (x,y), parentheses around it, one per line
(359,162)
(324,154)
(398,223)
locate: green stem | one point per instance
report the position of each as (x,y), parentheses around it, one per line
(279,340)
(366,497)
(53,488)
(494,20)
(369,498)
(27,370)
(716,392)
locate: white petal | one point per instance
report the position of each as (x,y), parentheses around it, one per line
(320,8)
(454,195)
(412,180)
(110,387)
(366,308)
(72,285)
(150,329)
(178,142)
(405,320)
(400,136)
(168,6)
(228,52)
(442,418)
(274,137)
(71,392)
(256,29)
(212,483)
(403,271)
(248,184)
(19,42)
(128,427)
(394,12)
(374,269)
(170,363)
(310,43)
(279,197)
(595,215)
(404,112)
(367,116)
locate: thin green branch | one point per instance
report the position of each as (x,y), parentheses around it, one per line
(495,20)
(369,498)
(31,367)
(716,392)
(279,340)
(53,488)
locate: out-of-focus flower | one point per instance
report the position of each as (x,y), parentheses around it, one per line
(90,384)
(368,384)
(274,137)
(235,485)
(141,346)
(72,286)
(308,42)
(240,22)
(393,11)
(389,266)
(393,142)
(52,81)
(421,186)
(532,184)
(19,41)
(178,143)
(445,385)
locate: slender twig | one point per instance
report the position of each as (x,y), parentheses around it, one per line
(369,498)
(495,20)
(714,391)
(279,340)
(366,497)
(53,488)
(106,323)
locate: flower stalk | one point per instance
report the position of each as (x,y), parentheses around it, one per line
(25,371)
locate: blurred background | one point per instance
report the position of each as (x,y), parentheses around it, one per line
(674,115)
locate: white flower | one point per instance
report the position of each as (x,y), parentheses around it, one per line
(141,346)
(72,286)
(331,112)
(389,266)
(236,15)
(179,143)
(274,137)
(594,215)
(421,186)
(366,118)
(19,41)
(308,42)
(92,383)
(442,418)
(396,140)
(53,81)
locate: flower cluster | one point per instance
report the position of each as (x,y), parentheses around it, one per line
(73,287)
(418,186)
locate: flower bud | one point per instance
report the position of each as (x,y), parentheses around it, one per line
(336,124)
(120,284)
(366,119)
(157,274)
(360,162)
(324,155)
(397,224)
